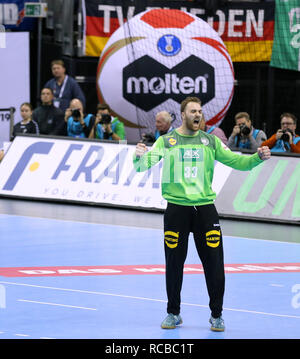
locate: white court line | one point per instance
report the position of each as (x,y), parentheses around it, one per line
(26,335)
(21,335)
(150,299)
(56,304)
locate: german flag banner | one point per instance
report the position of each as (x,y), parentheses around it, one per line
(246,28)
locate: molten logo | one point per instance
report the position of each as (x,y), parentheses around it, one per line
(169,84)
(193,77)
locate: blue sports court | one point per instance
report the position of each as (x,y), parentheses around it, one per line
(82,272)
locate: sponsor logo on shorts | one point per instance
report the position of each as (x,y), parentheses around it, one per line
(213,238)
(171,239)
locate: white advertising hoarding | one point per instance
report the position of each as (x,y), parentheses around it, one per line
(83,171)
(99,172)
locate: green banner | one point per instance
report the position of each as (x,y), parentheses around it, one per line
(271,191)
(286,45)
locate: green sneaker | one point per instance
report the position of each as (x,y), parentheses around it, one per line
(171,321)
(217,324)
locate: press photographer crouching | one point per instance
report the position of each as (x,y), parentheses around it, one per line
(107,127)
(285,139)
(244,135)
(78,124)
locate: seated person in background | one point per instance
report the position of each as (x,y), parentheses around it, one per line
(27,125)
(78,124)
(49,118)
(285,139)
(106,126)
(163,124)
(214,130)
(244,135)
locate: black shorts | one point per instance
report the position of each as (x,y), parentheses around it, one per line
(203,222)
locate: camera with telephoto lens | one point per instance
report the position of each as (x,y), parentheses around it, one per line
(285,137)
(245,130)
(105,119)
(148,138)
(76,114)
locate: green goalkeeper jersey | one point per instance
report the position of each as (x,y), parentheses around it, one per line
(188,165)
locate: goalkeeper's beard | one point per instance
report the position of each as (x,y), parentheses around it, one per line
(193,124)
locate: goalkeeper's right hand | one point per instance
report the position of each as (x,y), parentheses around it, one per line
(140,149)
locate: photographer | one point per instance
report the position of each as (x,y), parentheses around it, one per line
(78,124)
(107,127)
(244,135)
(285,139)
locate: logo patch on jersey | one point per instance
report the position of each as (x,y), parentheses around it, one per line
(205,141)
(191,154)
(171,239)
(172,141)
(213,238)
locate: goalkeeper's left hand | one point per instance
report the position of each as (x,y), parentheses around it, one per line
(264,153)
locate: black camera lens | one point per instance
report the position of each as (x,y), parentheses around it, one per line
(285,137)
(76,113)
(245,130)
(105,119)
(148,138)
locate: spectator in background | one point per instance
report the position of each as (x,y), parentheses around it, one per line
(49,118)
(27,125)
(106,126)
(244,135)
(64,87)
(78,123)
(285,139)
(214,130)
(163,124)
